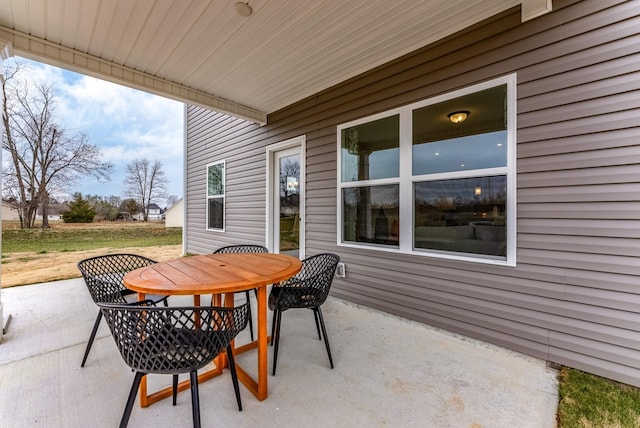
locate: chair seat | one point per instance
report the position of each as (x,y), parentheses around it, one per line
(175,350)
(294,297)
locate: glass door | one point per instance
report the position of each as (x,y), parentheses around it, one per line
(287,219)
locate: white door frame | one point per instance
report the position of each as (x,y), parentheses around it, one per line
(273,209)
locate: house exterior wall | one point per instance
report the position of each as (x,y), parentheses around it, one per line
(9,212)
(174,216)
(574,296)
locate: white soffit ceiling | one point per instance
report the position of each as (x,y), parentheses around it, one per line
(202,52)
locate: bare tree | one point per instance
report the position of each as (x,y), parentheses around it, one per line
(43,156)
(145,181)
(171,200)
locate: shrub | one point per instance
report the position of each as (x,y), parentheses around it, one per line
(79,211)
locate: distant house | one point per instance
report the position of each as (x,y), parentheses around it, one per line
(53,212)
(155,213)
(174,215)
(9,211)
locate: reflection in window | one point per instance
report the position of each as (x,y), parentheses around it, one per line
(216,213)
(476,143)
(461,154)
(371,150)
(371,214)
(215,196)
(465,215)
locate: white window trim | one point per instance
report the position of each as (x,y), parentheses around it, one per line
(406,179)
(224,197)
(299,141)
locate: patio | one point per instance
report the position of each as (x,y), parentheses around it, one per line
(389,372)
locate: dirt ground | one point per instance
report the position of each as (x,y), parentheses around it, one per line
(31,268)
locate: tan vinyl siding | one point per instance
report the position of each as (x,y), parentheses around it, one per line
(574,295)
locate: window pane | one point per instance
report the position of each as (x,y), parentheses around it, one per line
(371,150)
(216,213)
(478,142)
(461,154)
(465,215)
(371,214)
(215,179)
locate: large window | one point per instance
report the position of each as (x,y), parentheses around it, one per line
(434,178)
(215,196)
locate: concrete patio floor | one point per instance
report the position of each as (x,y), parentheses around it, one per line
(389,372)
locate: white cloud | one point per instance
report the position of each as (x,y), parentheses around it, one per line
(125,123)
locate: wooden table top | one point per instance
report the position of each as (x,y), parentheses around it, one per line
(212,273)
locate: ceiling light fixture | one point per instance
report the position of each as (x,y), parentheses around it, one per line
(458,116)
(243,9)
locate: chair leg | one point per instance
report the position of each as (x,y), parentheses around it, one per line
(273,325)
(278,320)
(234,376)
(195,399)
(315,317)
(175,389)
(324,334)
(92,337)
(250,321)
(131,400)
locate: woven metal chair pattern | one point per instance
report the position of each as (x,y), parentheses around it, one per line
(174,340)
(307,289)
(244,248)
(103,276)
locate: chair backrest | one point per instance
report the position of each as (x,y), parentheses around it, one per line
(309,287)
(242,248)
(104,275)
(172,340)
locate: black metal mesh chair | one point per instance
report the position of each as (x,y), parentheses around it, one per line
(174,340)
(103,276)
(308,289)
(244,248)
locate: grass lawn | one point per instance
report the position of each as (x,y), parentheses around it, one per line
(76,237)
(34,256)
(588,401)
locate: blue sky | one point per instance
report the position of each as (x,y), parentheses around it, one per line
(125,123)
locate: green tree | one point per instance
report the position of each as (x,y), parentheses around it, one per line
(130,206)
(80,211)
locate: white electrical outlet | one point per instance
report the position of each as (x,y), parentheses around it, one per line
(340,270)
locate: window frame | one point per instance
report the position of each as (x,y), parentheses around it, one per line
(223,196)
(406,180)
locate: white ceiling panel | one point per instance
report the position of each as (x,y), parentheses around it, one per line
(203,52)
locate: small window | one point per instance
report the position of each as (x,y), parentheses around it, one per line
(371,150)
(215,196)
(371,214)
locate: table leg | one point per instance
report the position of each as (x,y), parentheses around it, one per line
(260,388)
(143,382)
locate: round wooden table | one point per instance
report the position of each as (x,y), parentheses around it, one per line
(217,274)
